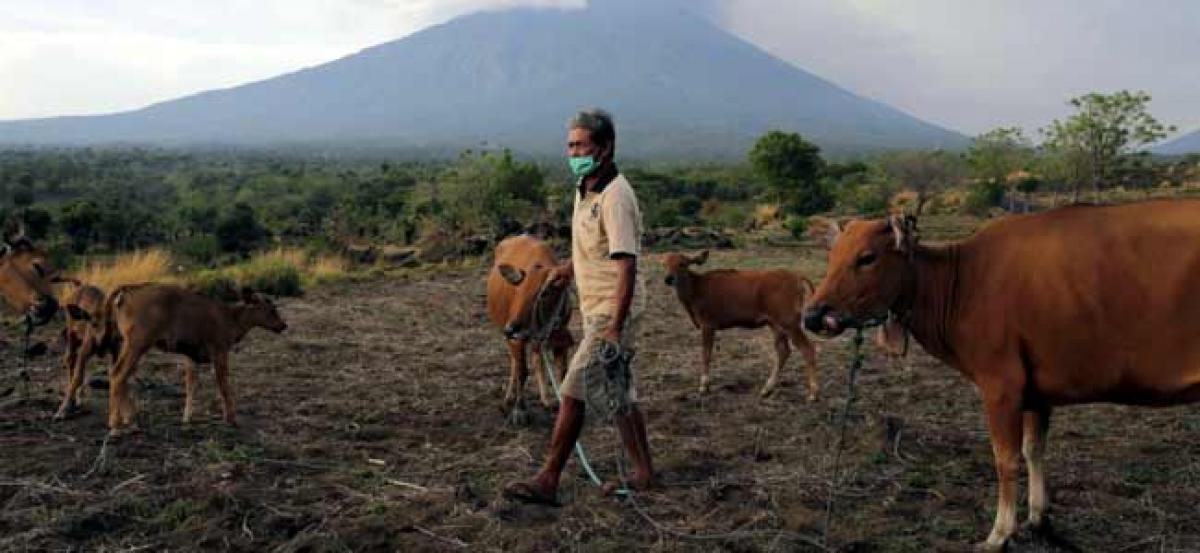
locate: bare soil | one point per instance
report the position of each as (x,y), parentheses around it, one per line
(374,424)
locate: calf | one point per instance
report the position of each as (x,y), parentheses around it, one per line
(517,288)
(82,341)
(176,320)
(723,299)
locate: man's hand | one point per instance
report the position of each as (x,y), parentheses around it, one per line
(562,274)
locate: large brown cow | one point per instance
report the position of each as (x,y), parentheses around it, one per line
(83,304)
(176,320)
(723,299)
(516,285)
(1075,305)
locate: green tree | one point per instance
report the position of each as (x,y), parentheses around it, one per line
(926,173)
(239,231)
(792,167)
(80,221)
(995,155)
(1108,129)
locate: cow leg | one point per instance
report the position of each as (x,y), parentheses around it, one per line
(1005,425)
(76,358)
(120,404)
(539,374)
(221,369)
(707,335)
(782,353)
(517,373)
(809,351)
(561,343)
(189,388)
(1033,447)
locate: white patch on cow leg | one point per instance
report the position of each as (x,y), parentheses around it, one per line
(707,336)
(1005,525)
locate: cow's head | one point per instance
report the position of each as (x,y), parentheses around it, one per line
(260,311)
(869,267)
(26,277)
(677,265)
(533,301)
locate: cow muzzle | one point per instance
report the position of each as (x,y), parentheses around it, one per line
(823,320)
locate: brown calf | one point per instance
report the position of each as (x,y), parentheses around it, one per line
(176,320)
(723,299)
(517,280)
(82,341)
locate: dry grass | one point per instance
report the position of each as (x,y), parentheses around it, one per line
(140,266)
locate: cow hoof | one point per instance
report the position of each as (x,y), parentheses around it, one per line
(767,392)
(66,411)
(114,433)
(991,547)
(36,350)
(812,398)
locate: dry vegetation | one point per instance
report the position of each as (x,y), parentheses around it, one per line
(374,424)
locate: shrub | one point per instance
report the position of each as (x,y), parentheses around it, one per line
(202,249)
(132,268)
(270,274)
(983,197)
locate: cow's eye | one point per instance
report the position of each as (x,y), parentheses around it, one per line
(865,259)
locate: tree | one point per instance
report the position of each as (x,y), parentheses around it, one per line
(926,173)
(792,167)
(239,230)
(1107,129)
(995,155)
(80,220)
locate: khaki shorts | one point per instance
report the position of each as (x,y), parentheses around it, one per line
(593,327)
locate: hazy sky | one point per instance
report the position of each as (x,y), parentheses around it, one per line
(969,65)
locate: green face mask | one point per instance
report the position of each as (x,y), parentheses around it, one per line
(582,166)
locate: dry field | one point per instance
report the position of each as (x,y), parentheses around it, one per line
(374,424)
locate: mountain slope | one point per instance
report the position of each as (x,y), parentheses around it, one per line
(677,85)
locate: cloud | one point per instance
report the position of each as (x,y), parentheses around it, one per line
(976,65)
(85,57)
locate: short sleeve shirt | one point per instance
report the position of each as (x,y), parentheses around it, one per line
(604,224)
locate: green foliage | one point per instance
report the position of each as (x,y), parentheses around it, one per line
(271,275)
(982,197)
(926,173)
(791,166)
(238,231)
(998,153)
(203,249)
(1103,136)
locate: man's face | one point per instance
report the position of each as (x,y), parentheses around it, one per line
(579,143)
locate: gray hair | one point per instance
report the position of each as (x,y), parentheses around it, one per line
(599,124)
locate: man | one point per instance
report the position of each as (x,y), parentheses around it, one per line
(606,230)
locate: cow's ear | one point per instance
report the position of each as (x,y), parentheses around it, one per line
(512,275)
(824,230)
(904,230)
(700,259)
(77,313)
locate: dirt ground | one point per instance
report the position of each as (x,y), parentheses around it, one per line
(374,424)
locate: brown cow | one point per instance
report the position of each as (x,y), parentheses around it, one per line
(176,320)
(722,299)
(25,281)
(82,341)
(1075,305)
(516,282)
